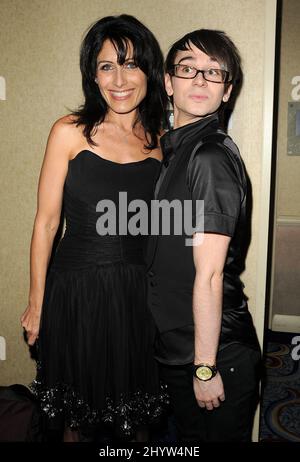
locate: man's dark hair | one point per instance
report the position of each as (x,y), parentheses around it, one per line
(217,45)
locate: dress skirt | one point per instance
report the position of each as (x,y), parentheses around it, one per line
(95,349)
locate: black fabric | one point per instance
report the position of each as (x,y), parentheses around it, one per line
(239,367)
(220,189)
(202,164)
(95,348)
(20,419)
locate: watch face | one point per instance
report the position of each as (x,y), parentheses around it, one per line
(204,373)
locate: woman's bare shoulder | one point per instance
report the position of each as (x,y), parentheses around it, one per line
(64,136)
(66,125)
(66,131)
(156,154)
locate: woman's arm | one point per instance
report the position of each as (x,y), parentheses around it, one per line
(50,192)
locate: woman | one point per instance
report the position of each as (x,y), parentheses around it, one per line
(90,316)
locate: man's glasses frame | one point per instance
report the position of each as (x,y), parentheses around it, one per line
(210,75)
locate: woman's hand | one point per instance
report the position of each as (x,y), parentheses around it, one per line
(30,321)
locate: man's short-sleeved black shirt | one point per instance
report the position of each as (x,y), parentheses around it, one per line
(200,163)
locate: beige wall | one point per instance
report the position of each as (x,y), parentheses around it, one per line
(285,292)
(39,43)
(288,167)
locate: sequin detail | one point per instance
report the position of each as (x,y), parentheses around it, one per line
(126,415)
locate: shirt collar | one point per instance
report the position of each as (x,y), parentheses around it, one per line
(173,139)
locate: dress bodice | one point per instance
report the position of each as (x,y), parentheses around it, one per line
(91,179)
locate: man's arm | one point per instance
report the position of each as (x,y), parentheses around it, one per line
(209,260)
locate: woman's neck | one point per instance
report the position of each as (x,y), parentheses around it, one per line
(124,122)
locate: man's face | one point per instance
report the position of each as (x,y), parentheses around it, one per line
(196,98)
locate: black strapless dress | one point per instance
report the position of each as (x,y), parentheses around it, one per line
(95,348)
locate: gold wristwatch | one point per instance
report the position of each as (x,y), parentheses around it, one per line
(205,372)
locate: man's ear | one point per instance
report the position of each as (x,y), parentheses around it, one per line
(168,85)
(227,94)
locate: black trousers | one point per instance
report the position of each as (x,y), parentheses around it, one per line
(239,367)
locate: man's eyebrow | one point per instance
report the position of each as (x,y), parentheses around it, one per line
(186,57)
(193,59)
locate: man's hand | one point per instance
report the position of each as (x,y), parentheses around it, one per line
(209,394)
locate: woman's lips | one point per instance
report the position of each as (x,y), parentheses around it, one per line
(120,95)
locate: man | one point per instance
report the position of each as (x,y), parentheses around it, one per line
(206,344)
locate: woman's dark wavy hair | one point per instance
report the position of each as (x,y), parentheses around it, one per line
(121,31)
(215,44)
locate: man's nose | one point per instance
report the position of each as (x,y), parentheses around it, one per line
(199,79)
